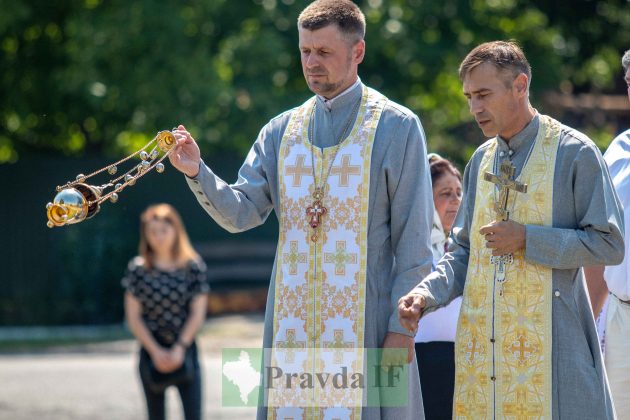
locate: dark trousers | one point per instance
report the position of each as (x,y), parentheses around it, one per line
(190,393)
(436,363)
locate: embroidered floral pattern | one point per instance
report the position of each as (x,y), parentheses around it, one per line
(320,286)
(503,346)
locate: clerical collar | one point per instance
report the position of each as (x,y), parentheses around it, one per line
(328,103)
(523,139)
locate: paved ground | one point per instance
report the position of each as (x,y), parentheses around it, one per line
(100,381)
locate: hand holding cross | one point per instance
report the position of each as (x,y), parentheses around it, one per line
(505,181)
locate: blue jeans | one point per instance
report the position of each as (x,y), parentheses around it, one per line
(190,393)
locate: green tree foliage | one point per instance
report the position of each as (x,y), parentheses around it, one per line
(104,76)
(97,78)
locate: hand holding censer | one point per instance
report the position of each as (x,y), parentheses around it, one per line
(77,201)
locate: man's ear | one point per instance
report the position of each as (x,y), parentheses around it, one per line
(521,84)
(358,52)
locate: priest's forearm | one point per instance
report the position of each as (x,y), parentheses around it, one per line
(246,203)
(235,208)
(446,283)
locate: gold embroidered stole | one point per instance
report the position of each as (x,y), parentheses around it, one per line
(319,309)
(503,344)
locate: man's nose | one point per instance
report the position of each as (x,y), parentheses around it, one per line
(475,106)
(311,61)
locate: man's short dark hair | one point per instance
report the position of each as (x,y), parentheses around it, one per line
(504,55)
(625,61)
(344,13)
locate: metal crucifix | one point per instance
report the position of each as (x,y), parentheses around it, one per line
(315,212)
(505,182)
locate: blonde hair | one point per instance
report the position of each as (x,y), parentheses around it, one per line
(182,251)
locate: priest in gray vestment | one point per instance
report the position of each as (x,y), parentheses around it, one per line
(347,176)
(538,204)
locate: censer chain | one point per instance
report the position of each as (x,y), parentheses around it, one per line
(126,183)
(83,178)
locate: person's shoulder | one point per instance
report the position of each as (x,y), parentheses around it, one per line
(277,123)
(136,267)
(135,273)
(197,274)
(196,265)
(572,136)
(575,144)
(276,126)
(271,133)
(403,121)
(282,118)
(625,136)
(136,263)
(621,142)
(473,164)
(576,150)
(396,110)
(481,150)
(618,150)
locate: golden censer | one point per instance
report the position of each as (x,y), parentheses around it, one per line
(77,201)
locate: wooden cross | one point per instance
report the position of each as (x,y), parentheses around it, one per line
(345,170)
(505,181)
(298,170)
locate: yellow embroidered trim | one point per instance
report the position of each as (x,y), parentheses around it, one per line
(512,376)
(320,287)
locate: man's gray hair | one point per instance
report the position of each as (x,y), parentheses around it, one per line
(625,61)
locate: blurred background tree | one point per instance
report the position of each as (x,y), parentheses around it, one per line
(86,79)
(92,75)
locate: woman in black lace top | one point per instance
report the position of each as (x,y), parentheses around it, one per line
(165,306)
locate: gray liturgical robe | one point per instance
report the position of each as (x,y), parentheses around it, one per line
(587,230)
(399,215)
